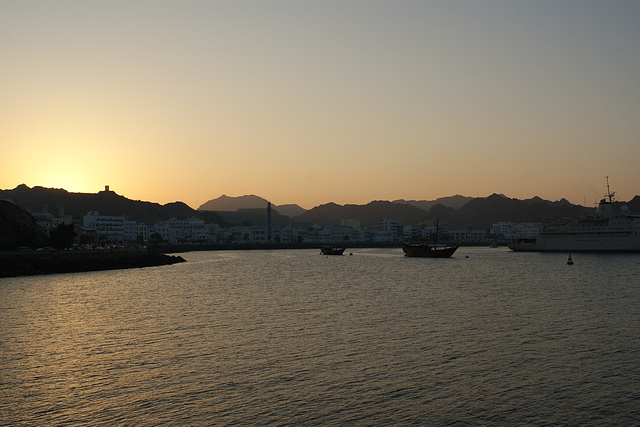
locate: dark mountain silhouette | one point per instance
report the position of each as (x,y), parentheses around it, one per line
(369,215)
(442,211)
(257,217)
(633,204)
(455,202)
(38,199)
(226,203)
(537,199)
(291,210)
(477,213)
(231,204)
(481,213)
(18,228)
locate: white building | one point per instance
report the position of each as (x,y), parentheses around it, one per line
(135,233)
(187,230)
(329,234)
(468,235)
(387,230)
(383,236)
(526,230)
(502,229)
(160,229)
(258,234)
(130,230)
(107,228)
(523,230)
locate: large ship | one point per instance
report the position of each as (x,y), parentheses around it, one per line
(605,231)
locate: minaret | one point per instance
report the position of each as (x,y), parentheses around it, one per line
(269,221)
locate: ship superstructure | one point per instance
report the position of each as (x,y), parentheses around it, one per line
(605,231)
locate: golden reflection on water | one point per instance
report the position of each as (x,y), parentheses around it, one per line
(294,337)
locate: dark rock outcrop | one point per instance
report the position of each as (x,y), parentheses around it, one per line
(106,202)
(18,228)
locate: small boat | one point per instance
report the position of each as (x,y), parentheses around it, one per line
(429,250)
(329,250)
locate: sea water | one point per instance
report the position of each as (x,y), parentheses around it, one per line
(292,337)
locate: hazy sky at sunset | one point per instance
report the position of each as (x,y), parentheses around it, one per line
(311,102)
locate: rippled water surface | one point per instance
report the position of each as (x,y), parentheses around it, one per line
(292,337)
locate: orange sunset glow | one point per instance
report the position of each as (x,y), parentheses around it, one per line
(317,102)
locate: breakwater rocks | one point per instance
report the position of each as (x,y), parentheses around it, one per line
(14,264)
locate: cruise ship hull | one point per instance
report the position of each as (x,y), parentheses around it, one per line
(604,232)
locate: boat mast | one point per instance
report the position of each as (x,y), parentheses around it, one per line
(609,193)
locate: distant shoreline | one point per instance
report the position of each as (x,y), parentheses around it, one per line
(33,263)
(194,247)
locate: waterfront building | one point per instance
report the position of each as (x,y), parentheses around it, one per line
(189,230)
(258,234)
(130,231)
(378,236)
(106,228)
(160,229)
(467,235)
(502,229)
(525,230)
(331,234)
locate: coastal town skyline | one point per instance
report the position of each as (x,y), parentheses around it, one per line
(311,103)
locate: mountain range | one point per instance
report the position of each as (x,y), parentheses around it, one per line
(477,213)
(457,211)
(59,201)
(226,203)
(455,202)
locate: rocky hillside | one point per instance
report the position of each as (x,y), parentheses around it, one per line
(18,228)
(455,202)
(479,213)
(368,214)
(77,205)
(226,203)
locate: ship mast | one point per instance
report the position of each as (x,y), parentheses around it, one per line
(609,193)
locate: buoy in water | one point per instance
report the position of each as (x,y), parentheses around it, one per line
(569,261)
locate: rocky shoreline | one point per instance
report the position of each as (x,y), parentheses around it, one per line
(13,264)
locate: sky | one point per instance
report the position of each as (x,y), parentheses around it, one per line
(312,102)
